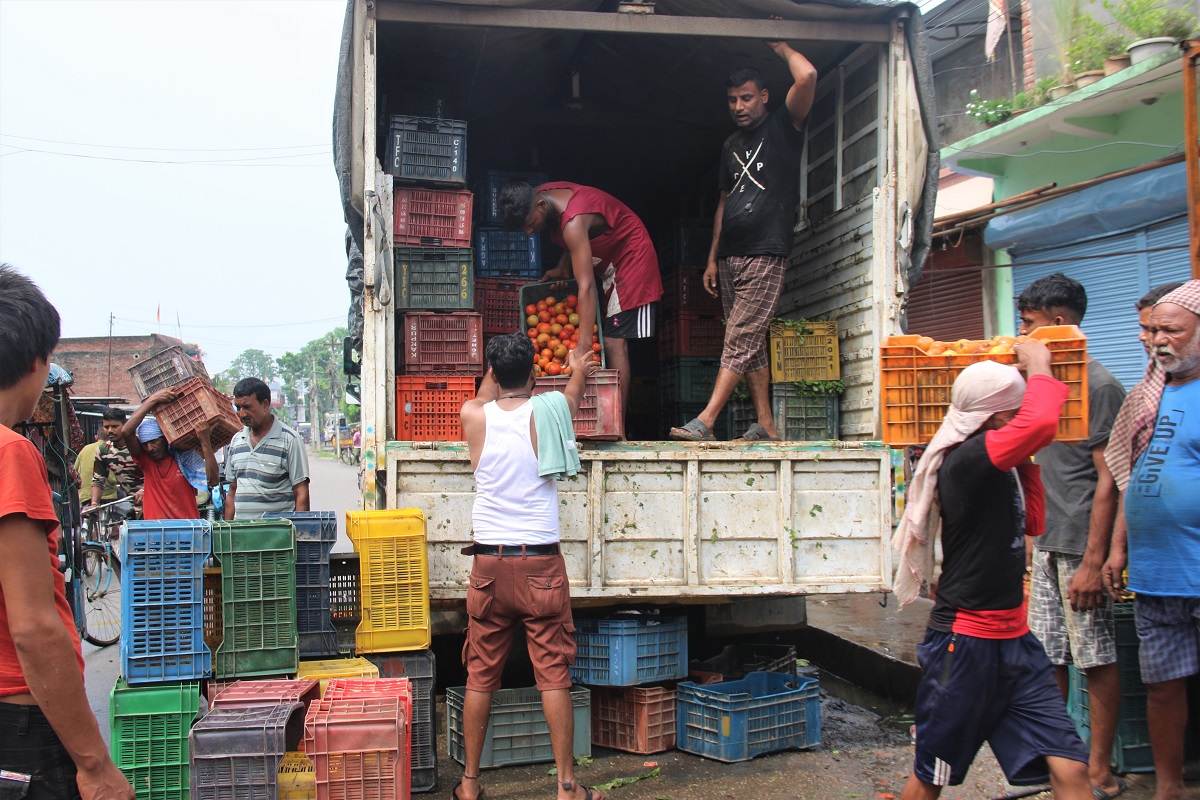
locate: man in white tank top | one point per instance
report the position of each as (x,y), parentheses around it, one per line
(518,577)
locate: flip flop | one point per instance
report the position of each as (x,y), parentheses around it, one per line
(454,792)
(1100,794)
(693,431)
(757,433)
(587,793)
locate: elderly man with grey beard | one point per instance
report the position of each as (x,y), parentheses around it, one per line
(1154,455)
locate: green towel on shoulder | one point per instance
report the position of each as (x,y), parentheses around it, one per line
(558,457)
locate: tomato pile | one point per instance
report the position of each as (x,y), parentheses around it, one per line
(997,345)
(553,327)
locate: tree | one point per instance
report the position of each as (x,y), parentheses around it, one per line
(252,363)
(315,373)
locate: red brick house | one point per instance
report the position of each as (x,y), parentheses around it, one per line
(103,372)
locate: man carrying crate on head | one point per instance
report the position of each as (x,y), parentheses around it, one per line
(984,676)
(172,477)
(519,446)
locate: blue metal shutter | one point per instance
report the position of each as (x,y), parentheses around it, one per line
(1113,283)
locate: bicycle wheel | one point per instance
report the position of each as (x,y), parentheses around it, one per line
(101,577)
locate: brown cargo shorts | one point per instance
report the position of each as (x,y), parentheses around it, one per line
(507,591)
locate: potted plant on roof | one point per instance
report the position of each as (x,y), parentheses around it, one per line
(1092,44)
(989,112)
(1155,27)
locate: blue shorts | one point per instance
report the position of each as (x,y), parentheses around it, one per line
(1168,631)
(999,691)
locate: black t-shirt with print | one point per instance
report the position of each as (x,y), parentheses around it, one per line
(760,169)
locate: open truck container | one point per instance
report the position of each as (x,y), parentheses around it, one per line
(630,97)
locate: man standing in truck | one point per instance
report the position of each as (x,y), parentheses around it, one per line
(519,446)
(752,234)
(1068,610)
(602,240)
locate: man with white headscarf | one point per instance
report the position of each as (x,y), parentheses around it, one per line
(1154,455)
(172,477)
(984,676)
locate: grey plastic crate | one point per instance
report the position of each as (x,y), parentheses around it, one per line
(516,731)
(235,752)
(420,667)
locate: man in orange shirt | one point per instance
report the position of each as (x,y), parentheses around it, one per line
(50,744)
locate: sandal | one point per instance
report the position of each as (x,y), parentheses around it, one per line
(693,431)
(757,433)
(1100,794)
(587,793)
(454,792)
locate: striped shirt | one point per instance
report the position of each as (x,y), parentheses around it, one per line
(264,475)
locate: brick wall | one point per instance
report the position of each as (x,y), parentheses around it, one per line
(87,359)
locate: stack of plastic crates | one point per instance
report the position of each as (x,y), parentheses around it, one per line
(393,580)
(357,745)
(149,736)
(162,613)
(419,667)
(400,688)
(258,597)
(316,533)
(236,752)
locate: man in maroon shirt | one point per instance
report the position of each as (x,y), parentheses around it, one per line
(984,676)
(602,240)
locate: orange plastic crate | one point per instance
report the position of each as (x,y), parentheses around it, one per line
(635,719)
(916,385)
(428,407)
(600,416)
(197,401)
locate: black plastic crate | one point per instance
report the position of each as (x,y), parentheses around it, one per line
(427,150)
(420,667)
(736,660)
(496,180)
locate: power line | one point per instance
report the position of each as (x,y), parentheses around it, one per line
(1177,147)
(166,149)
(225,162)
(241,327)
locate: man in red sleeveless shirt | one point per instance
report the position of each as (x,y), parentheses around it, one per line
(50,744)
(604,241)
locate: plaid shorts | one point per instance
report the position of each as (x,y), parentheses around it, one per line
(1084,638)
(1169,634)
(750,288)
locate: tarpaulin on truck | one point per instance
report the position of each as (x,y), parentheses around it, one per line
(639,89)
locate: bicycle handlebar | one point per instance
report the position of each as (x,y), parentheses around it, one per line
(93,509)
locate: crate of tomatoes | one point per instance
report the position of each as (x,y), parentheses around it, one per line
(918,372)
(551,320)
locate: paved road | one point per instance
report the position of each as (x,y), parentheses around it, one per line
(334,487)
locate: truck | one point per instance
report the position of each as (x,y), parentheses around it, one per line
(629,96)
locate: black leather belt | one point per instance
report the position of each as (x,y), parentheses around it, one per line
(511,550)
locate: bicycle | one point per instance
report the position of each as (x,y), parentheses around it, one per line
(100,575)
(350,455)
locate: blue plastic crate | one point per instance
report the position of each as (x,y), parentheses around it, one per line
(496,180)
(765,712)
(507,254)
(162,615)
(630,650)
(309,575)
(311,526)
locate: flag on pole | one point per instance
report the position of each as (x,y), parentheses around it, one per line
(997,23)
(158,313)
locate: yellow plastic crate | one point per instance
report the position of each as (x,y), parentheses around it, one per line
(297,778)
(393,579)
(811,357)
(336,668)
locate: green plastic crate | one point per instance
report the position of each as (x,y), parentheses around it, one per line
(435,278)
(687,379)
(804,417)
(150,726)
(516,731)
(258,597)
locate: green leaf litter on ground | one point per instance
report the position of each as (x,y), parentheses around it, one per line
(614,783)
(580,761)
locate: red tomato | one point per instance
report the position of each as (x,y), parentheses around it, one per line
(550,301)
(541,306)
(572,300)
(596,347)
(561,319)
(531,309)
(553,369)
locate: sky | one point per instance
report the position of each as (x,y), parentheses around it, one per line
(243,253)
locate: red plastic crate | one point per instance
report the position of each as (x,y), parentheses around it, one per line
(400,688)
(197,401)
(683,291)
(432,218)
(428,407)
(690,335)
(635,719)
(496,299)
(357,748)
(440,344)
(249,694)
(600,416)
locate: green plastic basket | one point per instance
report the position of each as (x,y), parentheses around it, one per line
(150,726)
(258,595)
